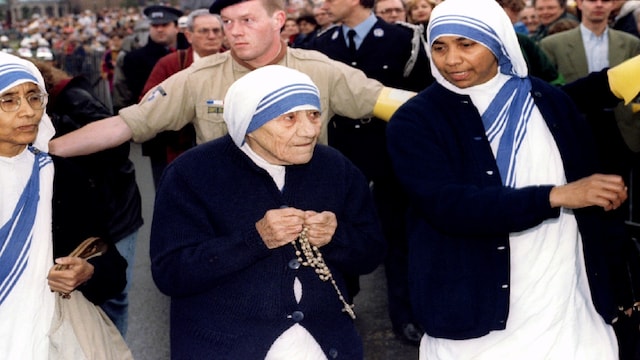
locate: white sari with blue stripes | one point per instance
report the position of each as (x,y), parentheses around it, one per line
(551,314)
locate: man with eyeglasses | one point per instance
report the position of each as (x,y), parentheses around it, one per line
(205,34)
(390,10)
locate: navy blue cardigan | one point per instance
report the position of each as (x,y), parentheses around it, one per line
(461,215)
(231,296)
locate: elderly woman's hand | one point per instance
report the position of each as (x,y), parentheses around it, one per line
(321,227)
(65,281)
(280,226)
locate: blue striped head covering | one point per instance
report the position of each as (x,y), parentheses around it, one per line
(264,94)
(15,71)
(505,120)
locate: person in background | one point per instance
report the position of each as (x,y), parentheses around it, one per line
(137,64)
(419,12)
(322,19)
(308,28)
(529,18)
(511,249)
(108,63)
(548,12)
(624,16)
(290,31)
(513,9)
(254,233)
(205,34)
(72,105)
(404,65)
(42,219)
(390,10)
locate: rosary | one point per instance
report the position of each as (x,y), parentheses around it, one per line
(313,258)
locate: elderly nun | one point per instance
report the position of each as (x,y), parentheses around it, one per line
(510,252)
(253,233)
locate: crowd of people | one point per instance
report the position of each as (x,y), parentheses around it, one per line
(483,151)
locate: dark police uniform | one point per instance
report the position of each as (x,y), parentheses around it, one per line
(393,54)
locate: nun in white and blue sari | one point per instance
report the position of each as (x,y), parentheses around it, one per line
(507,261)
(26,181)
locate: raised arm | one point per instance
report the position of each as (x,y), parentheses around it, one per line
(96,136)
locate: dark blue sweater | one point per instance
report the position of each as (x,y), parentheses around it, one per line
(461,214)
(231,296)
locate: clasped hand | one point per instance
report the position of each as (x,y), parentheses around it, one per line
(65,281)
(279,227)
(606,191)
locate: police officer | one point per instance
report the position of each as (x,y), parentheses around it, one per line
(394,55)
(164,38)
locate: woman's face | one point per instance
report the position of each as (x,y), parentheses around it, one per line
(420,12)
(463,62)
(19,128)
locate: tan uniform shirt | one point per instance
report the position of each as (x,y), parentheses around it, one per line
(195,95)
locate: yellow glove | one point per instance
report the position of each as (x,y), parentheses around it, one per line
(389,100)
(624,80)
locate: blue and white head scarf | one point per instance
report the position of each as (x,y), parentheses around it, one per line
(15,71)
(505,119)
(263,95)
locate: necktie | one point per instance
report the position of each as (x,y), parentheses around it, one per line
(351,34)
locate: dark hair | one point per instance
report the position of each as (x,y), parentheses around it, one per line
(308,18)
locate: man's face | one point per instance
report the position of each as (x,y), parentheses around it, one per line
(463,62)
(391,10)
(252,34)
(595,12)
(339,10)
(206,37)
(164,34)
(548,11)
(322,18)
(18,128)
(288,139)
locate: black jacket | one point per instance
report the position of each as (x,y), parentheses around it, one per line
(78,213)
(73,105)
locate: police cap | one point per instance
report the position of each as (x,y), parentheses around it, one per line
(158,14)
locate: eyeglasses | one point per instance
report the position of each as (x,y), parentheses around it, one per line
(11,103)
(205,31)
(391,10)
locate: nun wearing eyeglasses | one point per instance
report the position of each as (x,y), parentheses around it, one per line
(28,280)
(512,255)
(253,233)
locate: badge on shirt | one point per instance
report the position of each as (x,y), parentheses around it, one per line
(158,91)
(215,106)
(378,32)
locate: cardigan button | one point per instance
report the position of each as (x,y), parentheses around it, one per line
(333,353)
(502,247)
(489,172)
(297,316)
(294,264)
(505,286)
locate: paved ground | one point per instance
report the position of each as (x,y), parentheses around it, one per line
(148,334)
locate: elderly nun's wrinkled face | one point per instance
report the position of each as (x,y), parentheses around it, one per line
(288,139)
(21,109)
(463,62)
